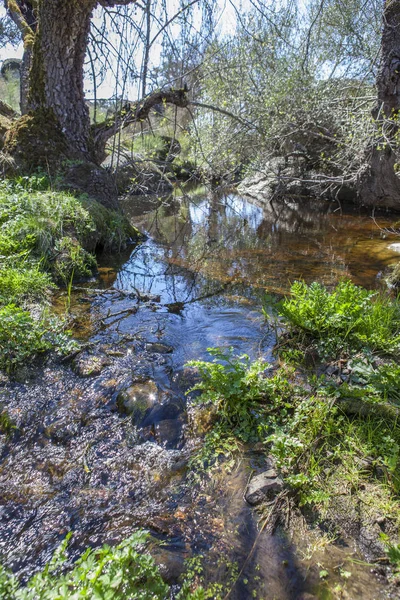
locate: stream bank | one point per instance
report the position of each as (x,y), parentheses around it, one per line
(78,461)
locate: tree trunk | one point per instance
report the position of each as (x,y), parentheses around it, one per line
(55,133)
(56,76)
(56,124)
(380,183)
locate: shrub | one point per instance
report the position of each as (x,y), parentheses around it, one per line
(240,391)
(126,571)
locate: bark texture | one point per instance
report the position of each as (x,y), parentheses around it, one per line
(55,123)
(56,76)
(380,182)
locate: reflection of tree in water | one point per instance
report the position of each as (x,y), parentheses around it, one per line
(200,244)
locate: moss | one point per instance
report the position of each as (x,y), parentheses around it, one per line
(45,236)
(112,230)
(5,125)
(36,140)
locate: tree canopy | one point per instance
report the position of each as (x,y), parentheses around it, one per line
(290,78)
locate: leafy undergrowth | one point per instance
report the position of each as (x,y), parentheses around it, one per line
(108,573)
(332,423)
(46,237)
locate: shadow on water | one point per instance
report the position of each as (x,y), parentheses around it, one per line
(102,447)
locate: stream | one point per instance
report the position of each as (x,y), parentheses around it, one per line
(102,441)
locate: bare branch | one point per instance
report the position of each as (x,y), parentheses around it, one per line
(222,111)
(134,114)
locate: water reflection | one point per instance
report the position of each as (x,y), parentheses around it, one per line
(200,245)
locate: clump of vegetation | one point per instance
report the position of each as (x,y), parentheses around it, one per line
(240,391)
(6,424)
(112,573)
(333,434)
(249,399)
(20,336)
(393,278)
(46,237)
(348,318)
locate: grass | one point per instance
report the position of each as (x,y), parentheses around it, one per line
(333,435)
(46,238)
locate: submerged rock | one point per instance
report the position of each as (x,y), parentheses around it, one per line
(263,487)
(158,348)
(171,563)
(137,400)
(86,365)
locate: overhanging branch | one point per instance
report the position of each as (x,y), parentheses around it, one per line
(227,113)
(20,15)
(135,113)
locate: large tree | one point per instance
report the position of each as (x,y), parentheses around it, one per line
(380,182)
(55,122)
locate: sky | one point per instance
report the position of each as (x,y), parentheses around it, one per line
(109,87)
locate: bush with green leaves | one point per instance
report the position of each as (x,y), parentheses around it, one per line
(241,391)
(20,337)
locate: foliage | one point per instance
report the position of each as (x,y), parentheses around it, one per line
(20,337)
(6,423)
(319,446)
(44,235)
(72,260)
(331,435)
(126,571)
(18,284)
(240,391)
(393,552)
(349,317)
(305,87)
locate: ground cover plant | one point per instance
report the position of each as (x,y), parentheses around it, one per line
(125,571)
(332,423)
(47,237)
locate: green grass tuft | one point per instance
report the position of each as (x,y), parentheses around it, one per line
(46,237)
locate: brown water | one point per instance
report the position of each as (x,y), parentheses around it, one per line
(76,463)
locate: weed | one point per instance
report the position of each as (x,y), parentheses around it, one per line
(250,400)
(393,552)
(72,260)
(19,284)
(6,424)
(349,317)
(112,573)
(241,392)
(20,337)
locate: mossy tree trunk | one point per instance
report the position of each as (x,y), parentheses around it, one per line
(55,123)
(380,184)
(56,73)
(55,35)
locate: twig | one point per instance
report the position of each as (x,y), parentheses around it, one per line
(269,522)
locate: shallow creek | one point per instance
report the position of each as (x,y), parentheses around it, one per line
(103,440)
